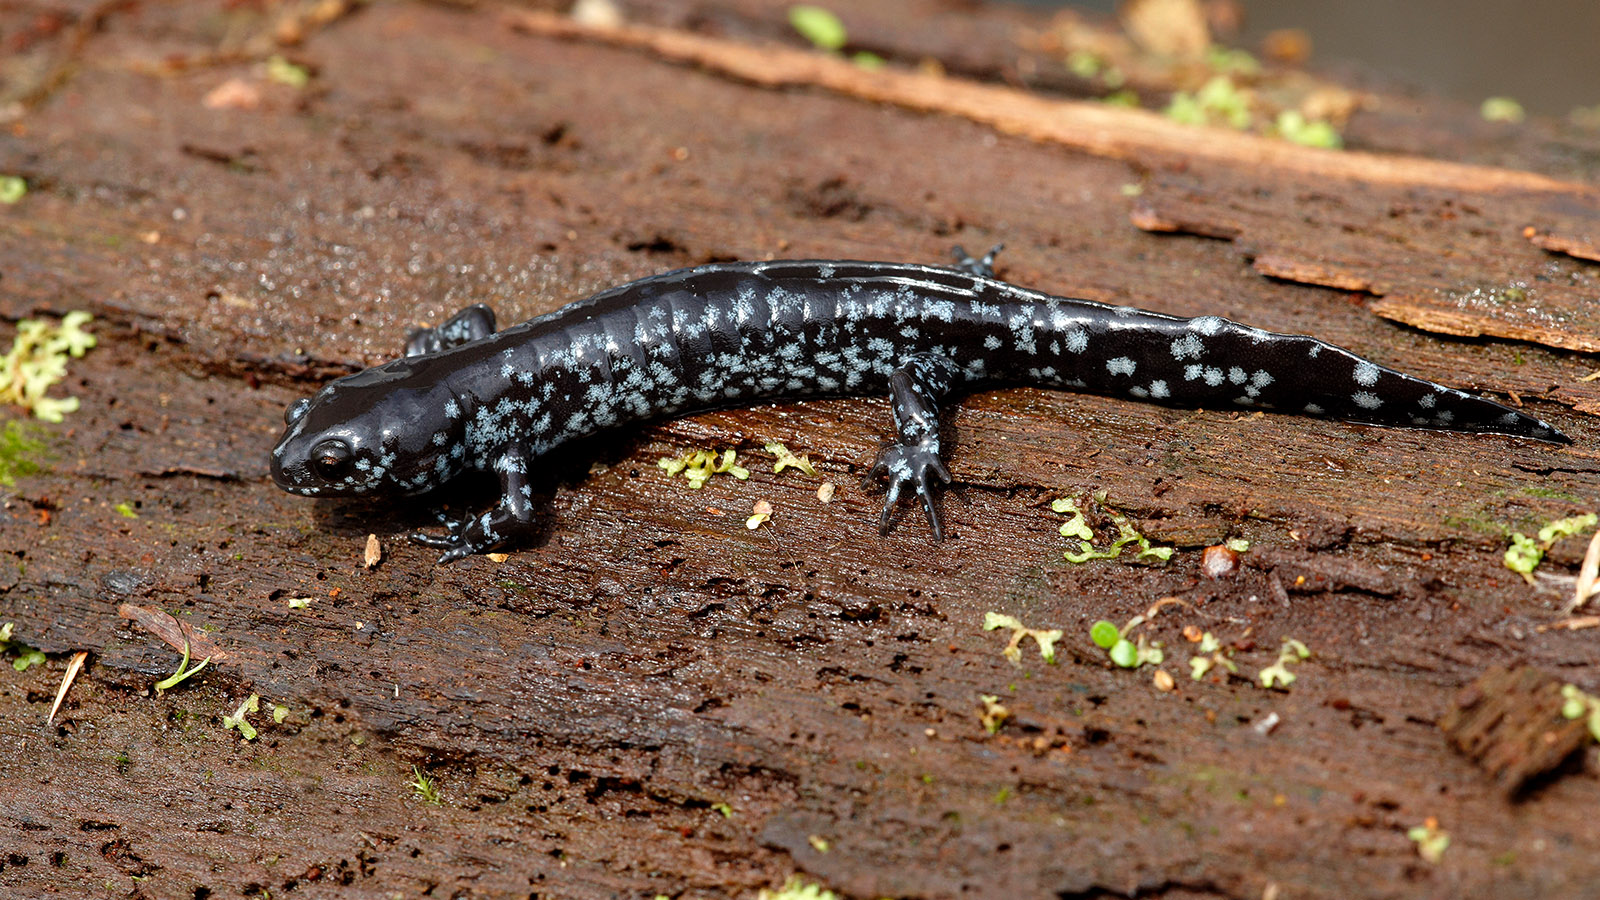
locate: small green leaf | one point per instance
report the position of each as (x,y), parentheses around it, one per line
(1047,643)
(283,71)
(1104,634)
(1565,528)
(1125,654)
(819,26)
(12,189)
(994,620)
(28,656)
(184,672)
(1501,109)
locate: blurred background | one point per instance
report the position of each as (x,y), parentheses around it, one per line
(1543,53)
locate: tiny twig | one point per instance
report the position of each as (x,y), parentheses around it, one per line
(1587,574)
(66,682)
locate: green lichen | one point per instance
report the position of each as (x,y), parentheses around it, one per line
(1232,60)
(1212,654)
(1431,840)
(1578,705)
(38,359)
(26,656)
(1278,674)
(1525,553)
(994,713)
(1218,102)
(1045,638)
(698,466)
(787,459)
(247,731)
(1078,528)
(797,888)
(1293,126)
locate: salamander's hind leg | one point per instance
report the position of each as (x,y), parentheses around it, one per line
(510,521)
(983,268)
(913,461)
(476,321)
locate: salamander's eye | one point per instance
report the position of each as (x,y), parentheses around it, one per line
(330,459)
(296,410)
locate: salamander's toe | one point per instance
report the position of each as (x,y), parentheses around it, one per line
(915,467)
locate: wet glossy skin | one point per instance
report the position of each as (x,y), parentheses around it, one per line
(734,333)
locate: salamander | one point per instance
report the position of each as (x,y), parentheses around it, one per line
(468,397)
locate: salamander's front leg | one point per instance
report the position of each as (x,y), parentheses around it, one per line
(983,268)
(476,321)
(913,461)
(509,521)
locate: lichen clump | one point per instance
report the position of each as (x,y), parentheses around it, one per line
(38,359)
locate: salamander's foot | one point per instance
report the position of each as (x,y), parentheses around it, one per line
(910,466)
(470,324)
(983,268)
(453,541)
(454,546)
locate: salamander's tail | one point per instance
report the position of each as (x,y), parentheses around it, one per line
(1299,374)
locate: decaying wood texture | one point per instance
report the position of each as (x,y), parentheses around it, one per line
(656,699)
(1510,721)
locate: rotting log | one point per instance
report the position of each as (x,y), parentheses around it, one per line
(656,699)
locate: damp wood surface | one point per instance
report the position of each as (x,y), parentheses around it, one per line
(654,698)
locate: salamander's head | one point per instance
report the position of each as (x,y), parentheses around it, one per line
(376,431)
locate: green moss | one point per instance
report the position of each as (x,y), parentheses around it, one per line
(424,788)
(19,453)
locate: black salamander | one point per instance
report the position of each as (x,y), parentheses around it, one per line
(466,397)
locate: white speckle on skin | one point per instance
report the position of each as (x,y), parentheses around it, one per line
(1237,375)
(1207,325)
(1077,340)
(1311,409)
(1187,347)
(1121,365)
(1366,374)
(1366,399)
(1158,390)
(1427,401)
